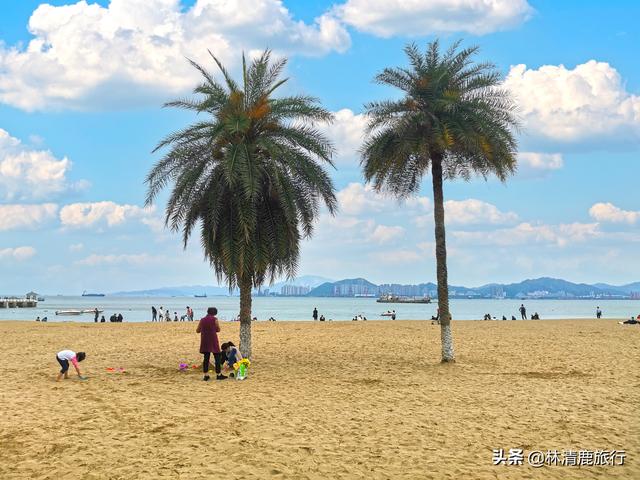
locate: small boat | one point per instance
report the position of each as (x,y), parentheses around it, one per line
(68,312)
(93,310)
(204,295)
(387,314)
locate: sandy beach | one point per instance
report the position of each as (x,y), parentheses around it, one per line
(323,400)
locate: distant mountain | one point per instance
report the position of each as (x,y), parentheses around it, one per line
(631,287)
(345,288)
(183,291)
(211,291)
(311,281)
(544,287)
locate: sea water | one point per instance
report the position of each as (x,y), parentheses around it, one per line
(138,309)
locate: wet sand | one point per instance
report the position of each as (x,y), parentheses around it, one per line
(326,400)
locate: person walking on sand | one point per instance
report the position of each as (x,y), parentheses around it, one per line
(315,314)
(154,314)
(95,318)
(208,328)
(523,312)
(598,312)
(161,314)
(64,357)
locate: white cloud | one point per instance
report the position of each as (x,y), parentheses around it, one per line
(79,215)
(347,133)
(85,55)
(460,212)
(95,260)
(472,211)
(536,164)
(386,18)
(26,216)
(398,257)
(156,224)
(608,212)
(420,203)
(19,253)
(28,173)
(357,198)
(383,234)
(587,103)
(527,233)
(76,247)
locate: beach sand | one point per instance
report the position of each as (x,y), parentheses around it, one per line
(327,400)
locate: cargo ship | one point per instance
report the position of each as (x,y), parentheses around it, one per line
(85,294)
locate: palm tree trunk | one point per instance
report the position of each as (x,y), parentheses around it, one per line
(245,318)
(441,262)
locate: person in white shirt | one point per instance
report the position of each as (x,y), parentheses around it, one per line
(64,357)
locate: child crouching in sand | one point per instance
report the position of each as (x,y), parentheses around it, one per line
(66,356)
(233,355)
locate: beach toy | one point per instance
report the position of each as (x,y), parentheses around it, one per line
(241,369)
(195,366)
(110,369)
(184,366)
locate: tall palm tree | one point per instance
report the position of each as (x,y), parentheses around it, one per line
(249,174)
(452,120)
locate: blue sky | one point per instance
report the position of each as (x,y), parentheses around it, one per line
(82,83)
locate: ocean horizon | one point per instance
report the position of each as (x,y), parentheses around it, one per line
(138,309)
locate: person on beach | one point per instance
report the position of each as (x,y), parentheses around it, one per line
(64,357)
(154,314)
(102,319)
(598,312)
(315,314)
(393,315)
(631,321)
(37,318)
(97,313)
(208,328)
(523,312)
(231,355)
(161,314)
(120,318)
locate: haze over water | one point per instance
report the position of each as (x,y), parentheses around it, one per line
(138,309)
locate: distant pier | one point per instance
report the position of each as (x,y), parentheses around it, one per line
(15,302)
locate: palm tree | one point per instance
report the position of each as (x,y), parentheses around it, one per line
(452,120)
(249,175)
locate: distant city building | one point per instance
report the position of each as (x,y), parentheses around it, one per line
(294,290)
